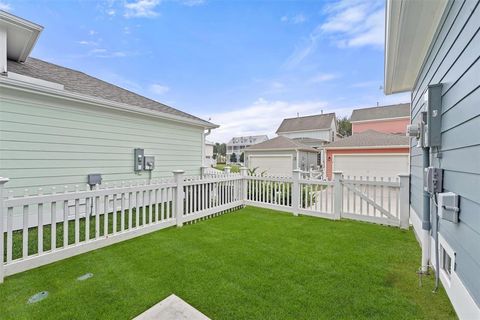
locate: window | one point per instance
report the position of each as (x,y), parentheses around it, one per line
(319,159)
(445,262)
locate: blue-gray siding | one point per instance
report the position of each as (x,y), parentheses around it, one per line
(453,60)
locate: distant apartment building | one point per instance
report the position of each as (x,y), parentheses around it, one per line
(238,144)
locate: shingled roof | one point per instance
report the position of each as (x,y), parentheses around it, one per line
(280,142)
(315,122)
(79,82)
(371,138)
(382,112)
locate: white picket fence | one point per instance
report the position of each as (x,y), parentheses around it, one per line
(43,228)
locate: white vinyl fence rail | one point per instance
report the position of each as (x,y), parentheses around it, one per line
(39,229)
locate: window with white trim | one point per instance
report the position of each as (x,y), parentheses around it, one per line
(446,262)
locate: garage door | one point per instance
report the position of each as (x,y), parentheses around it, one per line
(371,165)
(272,165)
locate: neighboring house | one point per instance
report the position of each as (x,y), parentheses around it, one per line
(388,119)
(377,147)
(432,50)
(58,125)
(369,154)
(280,156)
(238,144)
(315,131)
(209,160)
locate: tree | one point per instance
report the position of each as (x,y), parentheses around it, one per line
(220,148)
(233,157)
(344,126)
(242,157)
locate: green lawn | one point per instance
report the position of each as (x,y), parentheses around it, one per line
(233,167)
(250,264)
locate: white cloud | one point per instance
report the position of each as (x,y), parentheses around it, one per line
(261,117)
(111,12)
(322,77)
(88,43)
(104,53)
(141,9)
(193,3)
(5,6)
(296,19)
(159,89)
(92,32)
(355,23)
(348,23)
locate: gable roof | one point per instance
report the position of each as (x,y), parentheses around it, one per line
(247,140)
(79,82)
(280,142)
(314,122)
(382,112)
(371,138)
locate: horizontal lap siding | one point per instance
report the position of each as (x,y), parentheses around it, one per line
(454,61)
(48,143)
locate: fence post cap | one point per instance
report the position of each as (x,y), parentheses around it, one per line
(404,175)
(4,180)
(337,172)
(178,171)
(297,170)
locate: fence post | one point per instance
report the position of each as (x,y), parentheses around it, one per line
(226,169)
(338,194)
(203,171)
(404,200)
(2,215)
(296,191)
(179,196)
(244,174)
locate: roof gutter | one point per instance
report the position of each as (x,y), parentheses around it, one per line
(369,147)
(81,98)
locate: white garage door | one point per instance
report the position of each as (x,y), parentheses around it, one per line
(273,165)
(371,165)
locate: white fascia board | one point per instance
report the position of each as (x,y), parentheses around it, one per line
(409,30)
(382,119)
(81,98)
(19,28)
(309,130)
(367,147)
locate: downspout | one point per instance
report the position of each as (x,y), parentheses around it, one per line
(205,134)
(426,225)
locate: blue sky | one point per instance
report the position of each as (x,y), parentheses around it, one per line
(243,64)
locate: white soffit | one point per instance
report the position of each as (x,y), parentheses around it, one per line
(21,35)
(409,30)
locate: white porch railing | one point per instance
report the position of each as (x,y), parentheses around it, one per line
(44,228)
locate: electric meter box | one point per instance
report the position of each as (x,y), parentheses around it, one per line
(138,160)
(433,136)
(149,163)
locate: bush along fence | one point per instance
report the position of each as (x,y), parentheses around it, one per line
(42,228)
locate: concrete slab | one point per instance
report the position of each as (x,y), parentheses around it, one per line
(172,308)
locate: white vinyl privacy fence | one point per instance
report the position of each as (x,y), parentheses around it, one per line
(43,228)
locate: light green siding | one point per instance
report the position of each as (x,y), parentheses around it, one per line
(46,142)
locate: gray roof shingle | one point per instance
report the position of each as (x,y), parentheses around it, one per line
(79,82)
(383,112)
(371,138)
(315,122)
(280,142)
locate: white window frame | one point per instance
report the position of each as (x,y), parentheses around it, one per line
(444,247)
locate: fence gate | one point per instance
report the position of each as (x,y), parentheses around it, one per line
(373,200)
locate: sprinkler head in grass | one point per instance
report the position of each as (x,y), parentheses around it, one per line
(38,297)
(85,276)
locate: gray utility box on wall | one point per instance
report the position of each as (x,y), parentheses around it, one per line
(149,163)
(433,136)
(139,156)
